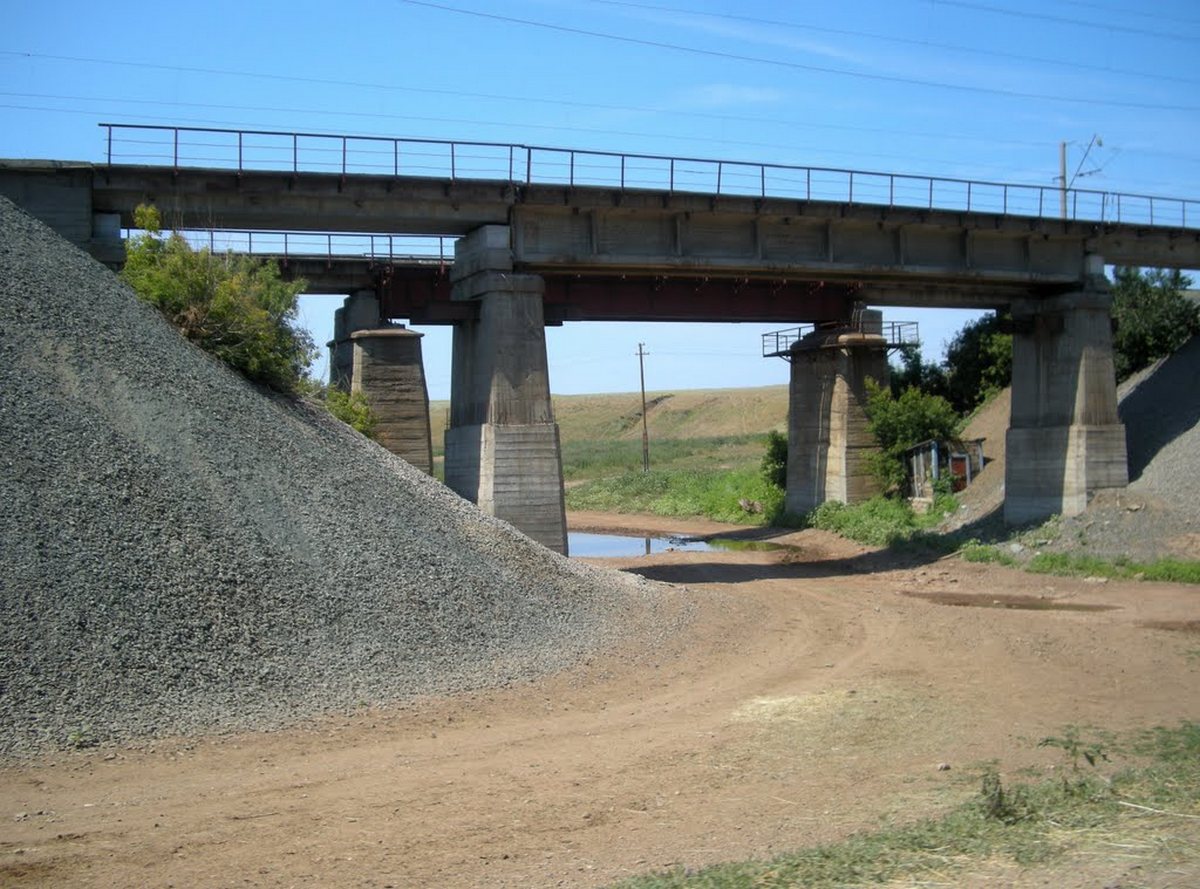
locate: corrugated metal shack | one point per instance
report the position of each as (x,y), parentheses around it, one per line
(960,461)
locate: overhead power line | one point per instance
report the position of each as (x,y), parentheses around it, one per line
(1063,20)
(475,122)
(1156,14)
(901,41)
(799,66)
(700,115)
(526,99)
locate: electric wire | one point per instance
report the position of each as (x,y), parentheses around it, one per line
(635,109)
(498,97)
(1063,20)
(902,41)
(800,66)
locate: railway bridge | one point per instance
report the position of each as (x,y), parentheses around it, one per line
(547,235)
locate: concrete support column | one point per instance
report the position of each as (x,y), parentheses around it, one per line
(1065,440)
(829,445)
(360,311)
(388,370)
(502,447)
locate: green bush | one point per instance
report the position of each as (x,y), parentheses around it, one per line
(774,463)
(352,409)
(880,521)
(234,306)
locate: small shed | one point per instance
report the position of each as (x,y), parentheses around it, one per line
(959,460)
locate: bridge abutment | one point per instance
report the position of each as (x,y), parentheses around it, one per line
(829,445)
(1065,440)
(502,447)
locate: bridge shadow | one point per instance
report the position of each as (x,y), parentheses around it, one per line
(1162,407)
(793,564)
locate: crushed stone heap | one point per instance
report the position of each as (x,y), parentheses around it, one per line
(180,552)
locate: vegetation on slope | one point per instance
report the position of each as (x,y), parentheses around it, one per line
(232,305)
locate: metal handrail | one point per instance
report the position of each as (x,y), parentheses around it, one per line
(459,160)
(895,335)
(379,246)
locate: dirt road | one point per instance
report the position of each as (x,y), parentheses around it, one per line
(814,692)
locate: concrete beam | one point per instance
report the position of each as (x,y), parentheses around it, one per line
(726,243)
(198,198)
(60,195)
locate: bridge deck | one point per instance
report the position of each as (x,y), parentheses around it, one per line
(587,221)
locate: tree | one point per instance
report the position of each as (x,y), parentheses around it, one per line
(774,461)
(1152,317)
(978,363)
(233,306)
(898,423)
(915,372)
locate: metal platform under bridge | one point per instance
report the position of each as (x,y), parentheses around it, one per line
(859,331)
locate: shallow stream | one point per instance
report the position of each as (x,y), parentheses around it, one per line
(581,543)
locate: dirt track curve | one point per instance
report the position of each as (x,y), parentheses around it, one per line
(808,700)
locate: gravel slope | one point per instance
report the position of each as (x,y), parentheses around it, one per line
(1159,513)
(180,552)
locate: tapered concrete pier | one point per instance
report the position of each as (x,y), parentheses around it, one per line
(1065,441)
(502,447)
(829,445)
(388,371)
(359,311)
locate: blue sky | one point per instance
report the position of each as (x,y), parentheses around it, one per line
(955,88)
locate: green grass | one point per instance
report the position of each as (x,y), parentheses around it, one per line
(1175,570)
(596,458)
(880,521)
(973,551)
(1028,823)
(714,494)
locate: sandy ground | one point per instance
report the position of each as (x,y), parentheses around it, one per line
(817,691)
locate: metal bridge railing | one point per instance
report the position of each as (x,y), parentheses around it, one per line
(387,248)
(272,151)
(896,335)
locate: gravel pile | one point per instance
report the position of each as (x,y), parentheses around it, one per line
(1160,408)
(181,553)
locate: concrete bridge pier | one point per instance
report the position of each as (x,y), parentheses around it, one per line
(359,311)
(384,364)
(829,445)
(1065,440)
(502,447)
(388,370)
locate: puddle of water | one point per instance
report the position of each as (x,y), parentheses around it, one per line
(1024,603)
(580,543)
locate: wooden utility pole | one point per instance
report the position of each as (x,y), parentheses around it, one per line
(642,353)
